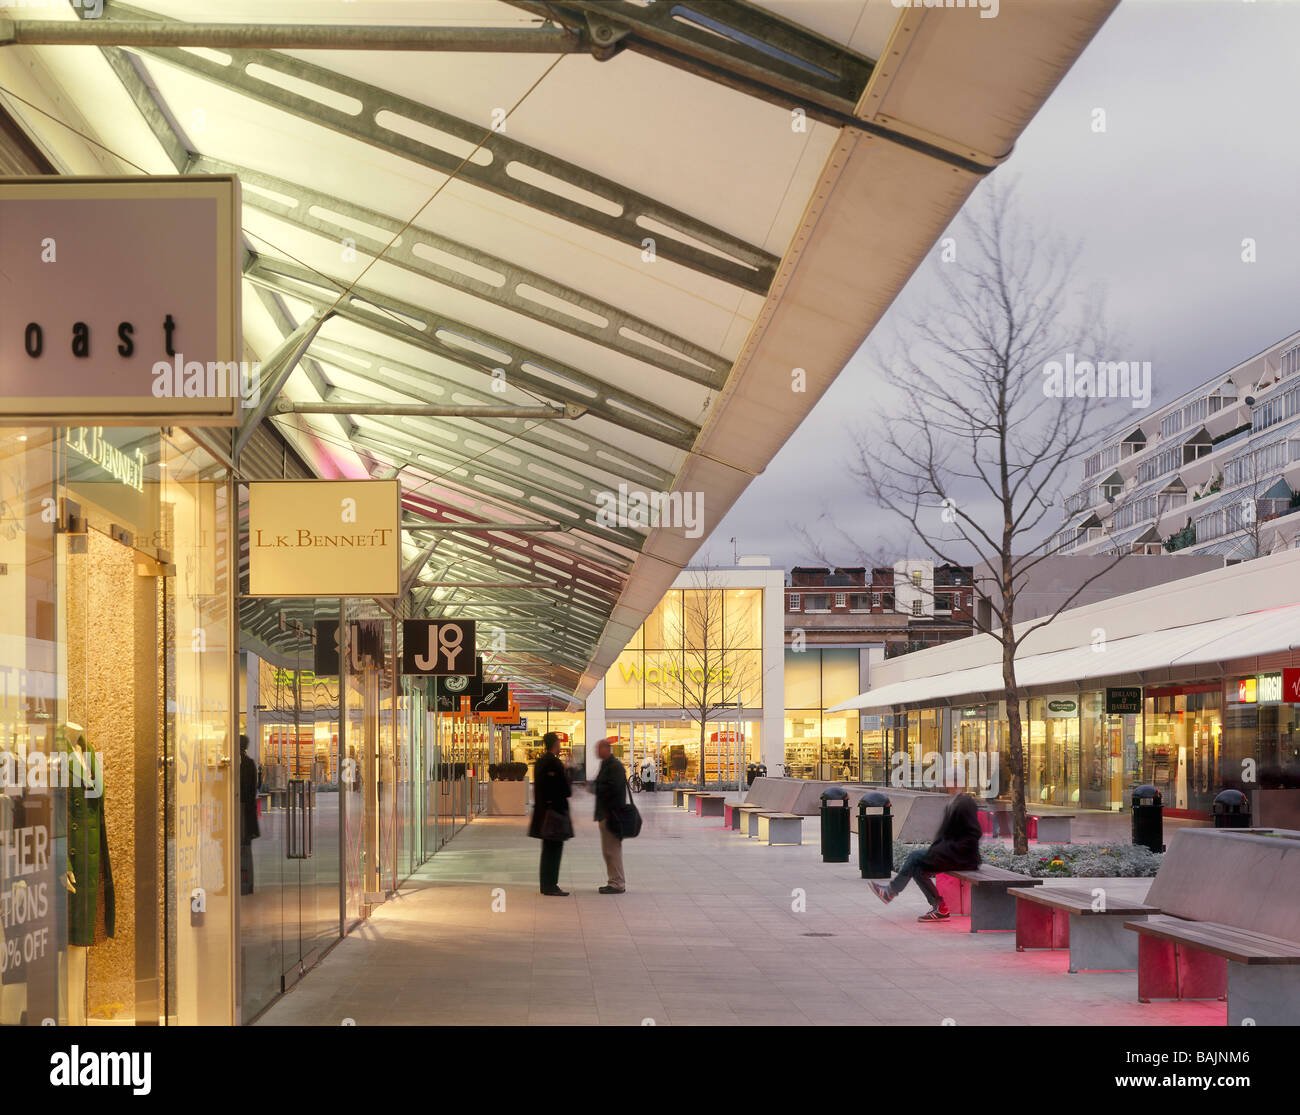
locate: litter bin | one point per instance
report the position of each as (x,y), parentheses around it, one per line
(875,836)
(762,771)
(1232,810)
(835,825)
(751,772)
(1148,818)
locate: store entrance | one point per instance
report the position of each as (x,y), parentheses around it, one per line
(289,828)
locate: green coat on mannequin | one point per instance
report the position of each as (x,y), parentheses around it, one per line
(91,904)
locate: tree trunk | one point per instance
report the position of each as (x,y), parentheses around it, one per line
(1015,741)
(704,724)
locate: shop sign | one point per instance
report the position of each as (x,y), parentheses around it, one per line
(324,538)
(1060,708)
(437,647)
(449,690)
(869,723)
(1123,700)
(1247,691)
(1291,686)
(121,302)
(90,443)
(1269,688)
(495,698)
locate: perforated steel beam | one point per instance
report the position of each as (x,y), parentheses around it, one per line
(620,213)
(438,334)
(513,287)
(286,36)
(576,445)
(736,44)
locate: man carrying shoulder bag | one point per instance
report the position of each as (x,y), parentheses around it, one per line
(617,817)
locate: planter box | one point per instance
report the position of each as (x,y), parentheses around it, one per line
(506,799)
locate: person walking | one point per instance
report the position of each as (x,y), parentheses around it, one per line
(956,847)
(648,774)
(551,792)
(611,793)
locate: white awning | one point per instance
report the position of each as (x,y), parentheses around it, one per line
(1266,632)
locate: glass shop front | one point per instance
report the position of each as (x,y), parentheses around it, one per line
(117,755)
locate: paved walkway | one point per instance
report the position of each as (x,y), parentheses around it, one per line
(714,929)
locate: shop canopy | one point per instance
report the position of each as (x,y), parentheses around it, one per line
(672,225)
(1273,631)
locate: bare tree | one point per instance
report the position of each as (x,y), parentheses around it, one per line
(994,409)
(716,671)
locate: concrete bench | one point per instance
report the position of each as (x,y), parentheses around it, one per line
(1259,975)
(779,828)
(984,895)
(709,805)
(1051,828)
(1092,929)
(733,813)
(1229,924)
(682,799)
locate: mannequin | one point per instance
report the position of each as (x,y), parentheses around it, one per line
(89,878)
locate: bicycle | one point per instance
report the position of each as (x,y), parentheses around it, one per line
(634,783)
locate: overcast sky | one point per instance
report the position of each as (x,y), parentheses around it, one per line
(1201,150)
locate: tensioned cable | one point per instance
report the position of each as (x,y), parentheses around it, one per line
(348,289)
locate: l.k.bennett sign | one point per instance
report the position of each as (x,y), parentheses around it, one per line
(324,538)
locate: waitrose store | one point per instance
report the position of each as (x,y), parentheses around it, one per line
(709,662)
(1193,686)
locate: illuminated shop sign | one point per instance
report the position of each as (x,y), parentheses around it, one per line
(1059,708)
(1270,687)
(1123,700)
(1247,691)
(324,538)
(667,671)
(1264,689)
(106,281)
(89,442)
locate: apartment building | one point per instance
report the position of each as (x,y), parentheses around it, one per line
(1215,471)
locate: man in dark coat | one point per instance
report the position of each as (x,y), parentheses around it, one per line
(611,793)
(956,847)
(550,793)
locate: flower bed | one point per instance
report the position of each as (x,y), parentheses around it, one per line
(1048,861)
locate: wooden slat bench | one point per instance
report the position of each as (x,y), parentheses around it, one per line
(984,895)
(1229,924)
(749,818)
(1092,929)
(1259,975)
(733,812)
(709,805)
(779,828)
(682,799)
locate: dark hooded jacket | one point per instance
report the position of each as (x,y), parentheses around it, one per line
(956,845)
(550,790)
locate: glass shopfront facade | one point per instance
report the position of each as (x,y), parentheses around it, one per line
(118,849)
(1089,749)
(687,692)
(818,744)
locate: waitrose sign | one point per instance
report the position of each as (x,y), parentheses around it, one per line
(324,538)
